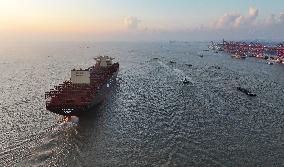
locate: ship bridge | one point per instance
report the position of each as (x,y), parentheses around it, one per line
(80,76)
(83,76)
(104,61)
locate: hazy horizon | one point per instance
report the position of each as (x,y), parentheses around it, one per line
(141,20)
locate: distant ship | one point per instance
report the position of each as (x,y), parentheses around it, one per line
(239,56)
(84,90)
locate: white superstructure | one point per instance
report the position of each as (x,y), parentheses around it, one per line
(83,76)
(80,76)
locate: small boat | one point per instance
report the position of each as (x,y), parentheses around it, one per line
(247,92)
(277,60)
(216,67)
(250,55)
(189,65)
(185,81)
(172,62)
(266,57)
(239,56)
(243,56)
(259,56)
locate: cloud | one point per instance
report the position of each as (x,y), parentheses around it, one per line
(273,20)
(131,22)
(230,26)
(281,17)
(230,20)
(249,26)
(253,12)
(227,20)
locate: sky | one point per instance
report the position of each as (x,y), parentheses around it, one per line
(141,20)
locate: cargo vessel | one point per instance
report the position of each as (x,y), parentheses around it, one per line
(85,89)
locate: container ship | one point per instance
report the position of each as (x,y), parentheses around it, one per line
(85,89)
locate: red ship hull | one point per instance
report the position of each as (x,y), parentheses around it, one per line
(73,99)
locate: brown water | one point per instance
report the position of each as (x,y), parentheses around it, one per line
(150,118)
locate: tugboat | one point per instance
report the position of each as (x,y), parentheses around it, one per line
(247,92)
(185,81)
(85,89)
(189,65)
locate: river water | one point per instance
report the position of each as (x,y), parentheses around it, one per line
(150,117)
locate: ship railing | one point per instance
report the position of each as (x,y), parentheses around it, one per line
(68,103)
